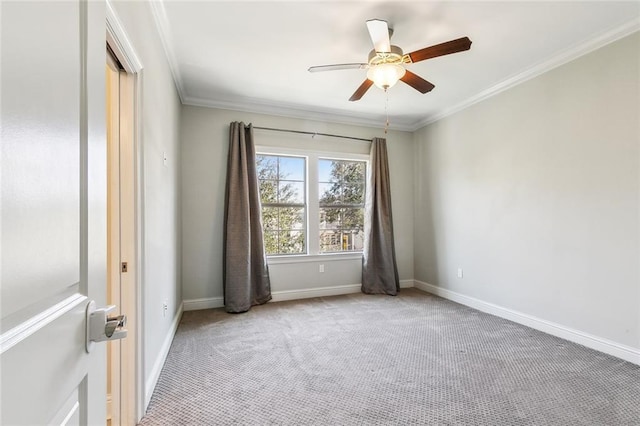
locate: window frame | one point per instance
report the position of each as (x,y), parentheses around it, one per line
(342,206)
(312,201)
(304,205)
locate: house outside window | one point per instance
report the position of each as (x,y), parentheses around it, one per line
(341,200)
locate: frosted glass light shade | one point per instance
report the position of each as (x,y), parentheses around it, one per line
(385,75)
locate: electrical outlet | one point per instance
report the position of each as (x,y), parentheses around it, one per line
(321,269)
(165,307)
(460,274)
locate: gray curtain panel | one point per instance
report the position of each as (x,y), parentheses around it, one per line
(246,275)
(379,269)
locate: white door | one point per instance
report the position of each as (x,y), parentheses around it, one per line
(53,207)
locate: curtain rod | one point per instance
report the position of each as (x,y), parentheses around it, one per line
(311,133)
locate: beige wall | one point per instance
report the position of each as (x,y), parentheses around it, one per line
(161,198)
(535,193)
(205,133)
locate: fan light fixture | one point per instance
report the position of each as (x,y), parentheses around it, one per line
(386,61)
(385,75)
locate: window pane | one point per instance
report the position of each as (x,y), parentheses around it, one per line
(342,182)
(291,218)
(291,242)
(352,240)
(267,166)
(353,193)
(270,218)
(341,198)
(325,171)
(282,182)
(341,229)
(357,171)
(291,168)
(271,242)
(341,240)
(352,182)
(291,192)
(330,241)
(352,218)
(329,193)
(329,218)
(268,191)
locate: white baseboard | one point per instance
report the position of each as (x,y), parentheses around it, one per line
(618,350)
(152,380)
(406,283)
(279,296)
(204,303)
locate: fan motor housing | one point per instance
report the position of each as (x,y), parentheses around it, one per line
(395,56)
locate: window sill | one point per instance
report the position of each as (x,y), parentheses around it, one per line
(304,258)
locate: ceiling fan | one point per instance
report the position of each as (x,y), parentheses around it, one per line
(386,61)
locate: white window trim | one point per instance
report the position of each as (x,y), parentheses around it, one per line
(312,239)
(310,258)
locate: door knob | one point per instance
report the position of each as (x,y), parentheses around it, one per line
(101,327)
(113,323)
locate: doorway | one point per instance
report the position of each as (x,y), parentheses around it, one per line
(121,240)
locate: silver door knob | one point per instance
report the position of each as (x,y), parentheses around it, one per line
(113,323)
(101,327)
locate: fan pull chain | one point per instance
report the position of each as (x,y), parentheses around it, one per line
(386,111)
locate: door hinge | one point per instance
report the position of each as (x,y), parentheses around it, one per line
(124,267)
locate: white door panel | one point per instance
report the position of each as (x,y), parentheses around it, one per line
(40,151)
(53,206)
(35,368)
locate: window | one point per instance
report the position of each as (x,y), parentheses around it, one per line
(283,196)
(311,204)
(341,186)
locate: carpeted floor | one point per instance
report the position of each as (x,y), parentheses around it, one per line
(359,359)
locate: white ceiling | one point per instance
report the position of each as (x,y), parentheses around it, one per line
(253,56)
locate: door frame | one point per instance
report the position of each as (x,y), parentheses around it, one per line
(120,44)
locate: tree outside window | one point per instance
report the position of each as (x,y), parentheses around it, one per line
(341,198)
(337,212)
(282,193)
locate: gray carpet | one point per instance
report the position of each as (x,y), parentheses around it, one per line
(360,359)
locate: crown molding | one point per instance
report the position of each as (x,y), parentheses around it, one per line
(292,111)
(555,61)
(258,106)
(164,31)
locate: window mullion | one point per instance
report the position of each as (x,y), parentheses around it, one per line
(313,212)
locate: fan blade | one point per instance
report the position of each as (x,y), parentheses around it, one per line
(361,90)
(379,32)
(335,67)
(417,82)
(441,49)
